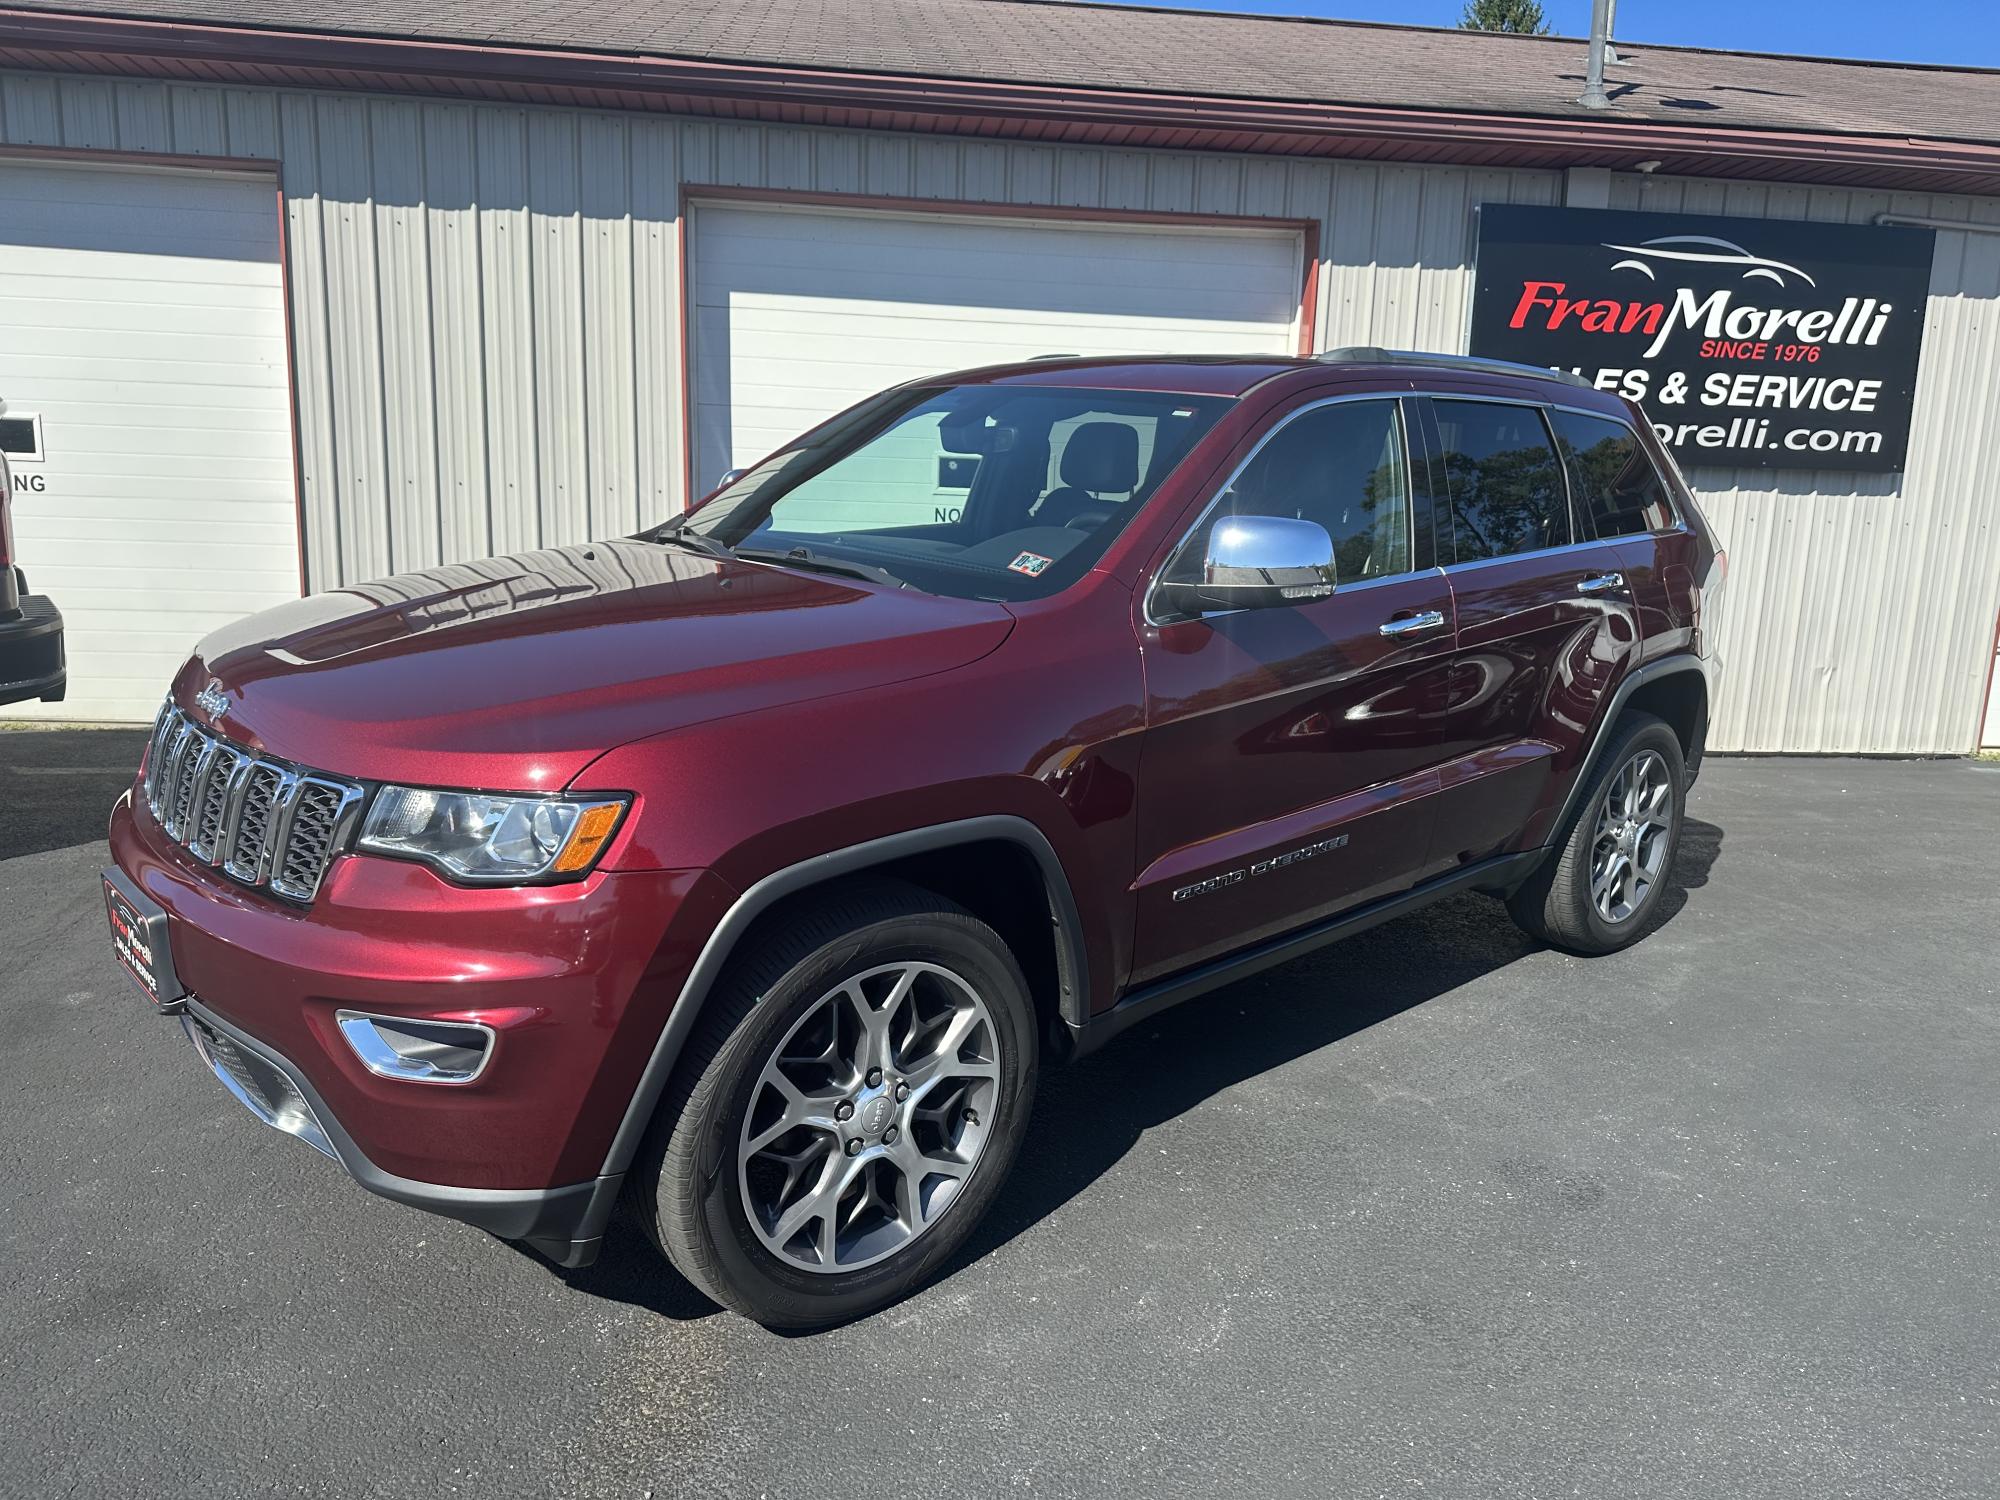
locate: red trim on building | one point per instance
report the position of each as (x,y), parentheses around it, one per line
(51,41)
(693,195)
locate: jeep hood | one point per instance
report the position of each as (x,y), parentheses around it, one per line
(517,672)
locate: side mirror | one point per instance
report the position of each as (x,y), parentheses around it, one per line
(1253,562)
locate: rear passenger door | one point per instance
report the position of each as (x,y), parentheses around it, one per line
(1545,626)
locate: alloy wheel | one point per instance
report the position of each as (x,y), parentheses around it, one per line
(868,1117)
(1634,825)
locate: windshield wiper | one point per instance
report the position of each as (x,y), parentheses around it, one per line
(819,562)
(679,536)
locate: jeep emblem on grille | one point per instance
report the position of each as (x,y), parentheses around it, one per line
(210,700)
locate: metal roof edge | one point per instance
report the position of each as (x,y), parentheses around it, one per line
(70,41)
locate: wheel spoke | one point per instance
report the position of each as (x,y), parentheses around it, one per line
(801,1109)
(944,1061)
(1604,887)
(914,1168)
(817,1204)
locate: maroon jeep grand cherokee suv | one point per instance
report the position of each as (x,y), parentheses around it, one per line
(752,868)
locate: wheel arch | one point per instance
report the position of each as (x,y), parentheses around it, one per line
(1676,684)
(940,857)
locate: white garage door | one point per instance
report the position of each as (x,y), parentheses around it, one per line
(800,312)
(142,363)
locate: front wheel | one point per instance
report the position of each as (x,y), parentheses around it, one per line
(848,1109)
(1600,888)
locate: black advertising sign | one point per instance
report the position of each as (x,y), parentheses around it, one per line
(1767,342)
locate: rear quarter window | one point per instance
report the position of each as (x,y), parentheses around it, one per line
(1617,487)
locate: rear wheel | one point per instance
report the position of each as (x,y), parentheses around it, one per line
(849,1107)
(1599,890)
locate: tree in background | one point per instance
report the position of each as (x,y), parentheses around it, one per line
(1504,15)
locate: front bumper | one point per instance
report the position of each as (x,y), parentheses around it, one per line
(573,981)
(32,664)
(564,1223)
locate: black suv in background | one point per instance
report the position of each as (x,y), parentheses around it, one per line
(31,628)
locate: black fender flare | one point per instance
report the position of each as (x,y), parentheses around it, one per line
(1635,679)
(1071,958)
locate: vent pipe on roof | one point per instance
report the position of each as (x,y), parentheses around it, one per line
(1593,95)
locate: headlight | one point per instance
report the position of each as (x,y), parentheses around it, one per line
(476,836)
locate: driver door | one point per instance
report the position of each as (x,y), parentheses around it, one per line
(1291,752)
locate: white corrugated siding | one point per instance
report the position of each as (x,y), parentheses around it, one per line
(486,299)
(486,309)
(1861,606)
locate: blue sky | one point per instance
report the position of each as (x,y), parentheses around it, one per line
(1966,32)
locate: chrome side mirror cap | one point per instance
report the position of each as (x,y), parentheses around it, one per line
(1254,562)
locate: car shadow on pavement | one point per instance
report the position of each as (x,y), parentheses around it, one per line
(1088,1117)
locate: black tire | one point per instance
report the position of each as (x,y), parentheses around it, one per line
(1555,904)
(687,1187)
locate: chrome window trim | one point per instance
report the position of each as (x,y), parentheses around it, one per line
(1395,399)
(1490,562)
(1419,393)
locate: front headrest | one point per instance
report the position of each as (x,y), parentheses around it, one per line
(1103,458)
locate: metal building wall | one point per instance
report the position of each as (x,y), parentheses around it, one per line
(1865,603)
(486,328)
(486,298)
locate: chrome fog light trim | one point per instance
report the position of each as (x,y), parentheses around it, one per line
(411,1049)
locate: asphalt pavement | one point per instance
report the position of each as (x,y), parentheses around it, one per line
(1435,1212)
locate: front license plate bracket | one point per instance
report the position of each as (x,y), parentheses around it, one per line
(139,940)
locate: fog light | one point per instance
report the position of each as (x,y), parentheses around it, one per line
(417,1051)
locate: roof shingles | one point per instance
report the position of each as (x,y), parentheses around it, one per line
(1191,53)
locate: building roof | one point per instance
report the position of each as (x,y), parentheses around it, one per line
(1089,71)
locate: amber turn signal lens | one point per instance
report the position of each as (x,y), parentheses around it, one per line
(587,840)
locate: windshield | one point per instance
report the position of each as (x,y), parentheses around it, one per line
(978,491)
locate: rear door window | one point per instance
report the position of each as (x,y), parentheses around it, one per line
(1507,495)
(1617,486)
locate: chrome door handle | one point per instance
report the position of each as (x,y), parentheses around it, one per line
(1430,619)
(1599,583)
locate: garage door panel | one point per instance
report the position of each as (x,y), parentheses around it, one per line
(164,446)
(142,319)
(36,316)
(145,349)
(797,313)
(1048,292)
(883,330)
(1013,257)
(122,279)
(86,393)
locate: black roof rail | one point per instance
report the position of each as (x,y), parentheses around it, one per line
(1370,354)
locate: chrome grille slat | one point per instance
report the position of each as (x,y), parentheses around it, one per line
(264,822)
(204,837)
(188,770)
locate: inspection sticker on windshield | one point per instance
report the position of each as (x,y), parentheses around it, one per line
(1031,563)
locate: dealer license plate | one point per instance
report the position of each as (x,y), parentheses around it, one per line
(139,938)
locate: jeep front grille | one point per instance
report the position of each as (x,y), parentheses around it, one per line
(262,822)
